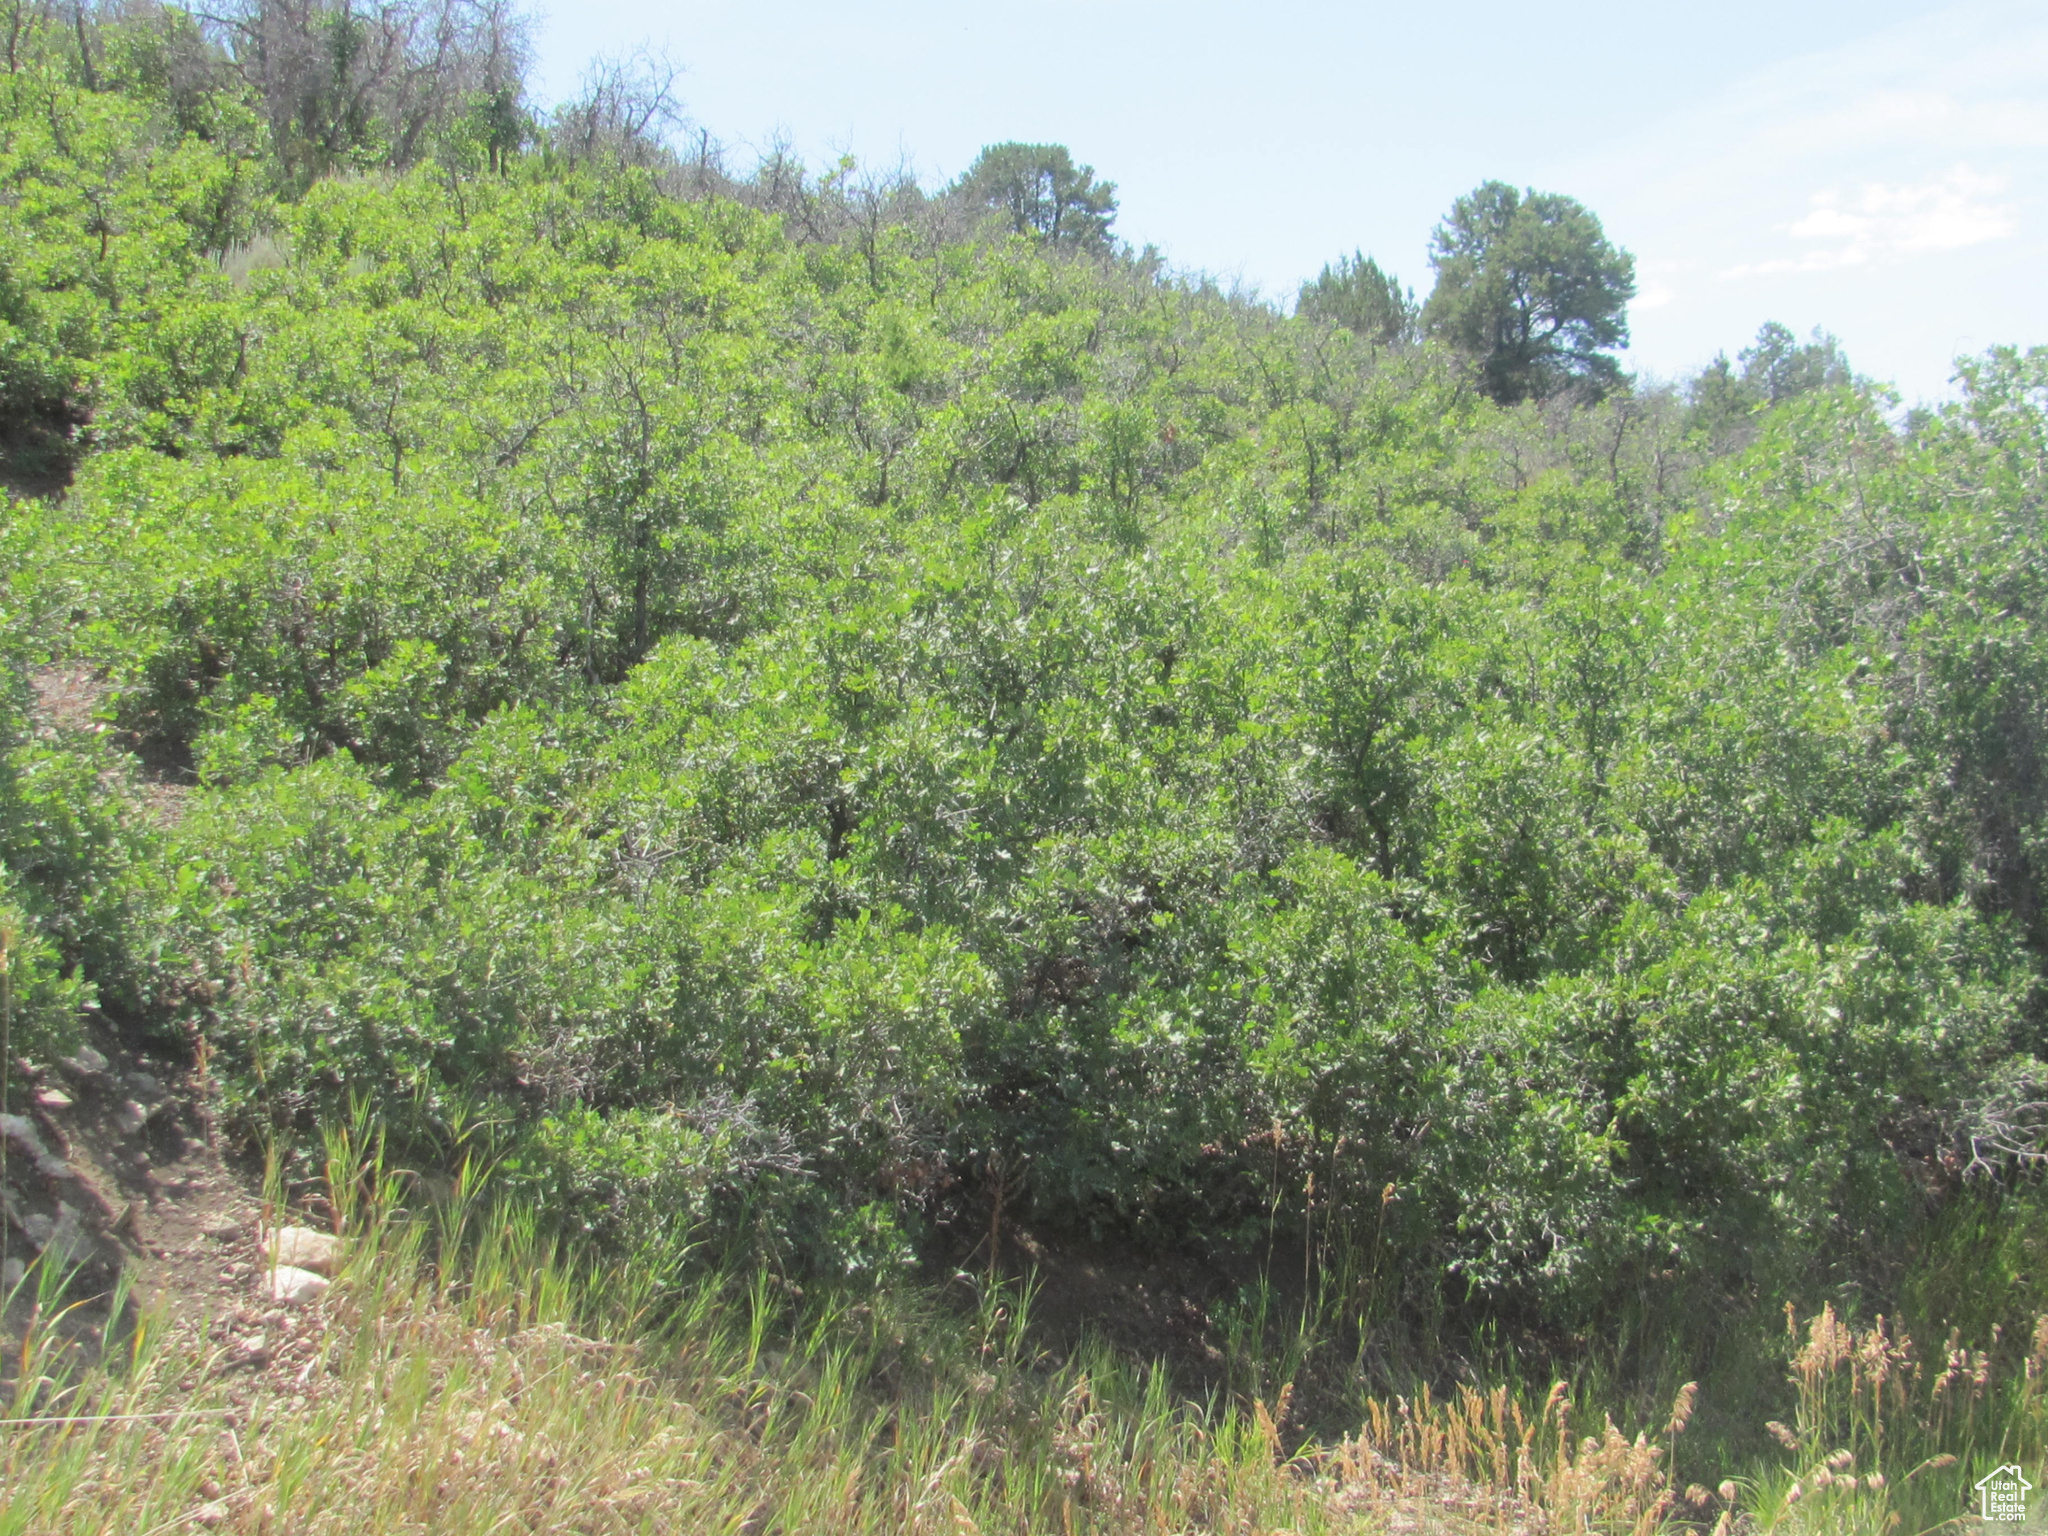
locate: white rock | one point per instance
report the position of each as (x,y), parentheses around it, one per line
(87,1063)
(130,1118)
(303,1248)
(54,1099)
(285,1283)
(11,1274)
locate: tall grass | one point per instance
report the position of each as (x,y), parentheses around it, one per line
(1886,1436)
(467,1373)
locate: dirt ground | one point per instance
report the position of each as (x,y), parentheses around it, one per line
(116,1161)
(131,1180)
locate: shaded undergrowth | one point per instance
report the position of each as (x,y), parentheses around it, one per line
(472,1373)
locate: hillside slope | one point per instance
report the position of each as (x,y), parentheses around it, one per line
(867,746)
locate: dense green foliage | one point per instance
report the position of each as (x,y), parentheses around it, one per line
(1358,294)
(821,736)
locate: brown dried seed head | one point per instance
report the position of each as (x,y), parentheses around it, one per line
(1681,1407)
(1727,1490)
(1887,1356)
(1829,1342)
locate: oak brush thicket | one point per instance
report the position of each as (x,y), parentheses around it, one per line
(846,722)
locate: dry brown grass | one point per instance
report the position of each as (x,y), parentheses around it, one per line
(1886,1438)
(1490,1459)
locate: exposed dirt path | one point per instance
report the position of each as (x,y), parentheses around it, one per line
(117,1165)
(127,1178)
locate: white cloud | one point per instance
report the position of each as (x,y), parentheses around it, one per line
(1884,221)
(1800,192)
(1659,282)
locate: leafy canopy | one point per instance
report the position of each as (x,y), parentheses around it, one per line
(1529,288)
(1041,192)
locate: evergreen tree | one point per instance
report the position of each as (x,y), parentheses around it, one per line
(1039,190)
(1529,287)
(1778,367)
(1356,294)
(1726,401)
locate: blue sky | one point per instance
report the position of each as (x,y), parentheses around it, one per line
(1877,168)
